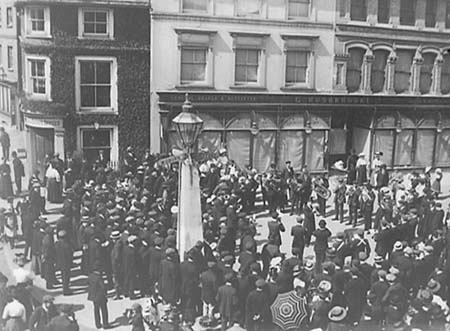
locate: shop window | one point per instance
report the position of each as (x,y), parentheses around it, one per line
(315,149)
(426,72)
(442,154)
(424,147)
(9,17)
(210,141)
(298,8)
(407,12)
(95,23)
(96,83)
(430,13)
(383,11)
(248,8)
(238,147)
(378,70)
(445,75)
(354,69)
(404,148)
(264,150)
(38,77)
(403,70)
(195,5)
(290,147)
(37,21)
(383,140)
(358,10)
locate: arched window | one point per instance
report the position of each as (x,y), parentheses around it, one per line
(426,71)
(378,70)
(354,68)
(403,70)
(445,75)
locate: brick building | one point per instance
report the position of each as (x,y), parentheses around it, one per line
(84,68)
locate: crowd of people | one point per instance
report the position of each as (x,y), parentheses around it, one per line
(123,225)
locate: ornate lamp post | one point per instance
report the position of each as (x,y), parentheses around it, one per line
(189,229)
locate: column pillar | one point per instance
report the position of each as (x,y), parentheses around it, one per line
(421,8)
(366,72)
(436,75)
(372,12)
(414,83)
(395,13)
(389,73)
(190,229)
(59,142)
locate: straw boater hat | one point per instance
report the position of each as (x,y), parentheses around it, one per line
(433,286)
(337,314)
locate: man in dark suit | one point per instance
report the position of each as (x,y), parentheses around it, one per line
(95,252)
(227,301)
(129,266)
(43,314)
(170,277)
(190,290)
(97,294)
(19,172)
(65,321)
(320,247)
(257,308)
(298,233)
(209,281)
(64,259)
(275,229)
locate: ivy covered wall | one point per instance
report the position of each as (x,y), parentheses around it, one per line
(131,47)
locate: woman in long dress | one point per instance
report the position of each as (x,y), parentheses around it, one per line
(6,189)
(54,187)
(14,313)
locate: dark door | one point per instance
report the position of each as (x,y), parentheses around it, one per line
(42,141)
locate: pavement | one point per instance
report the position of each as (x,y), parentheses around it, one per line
(84,309)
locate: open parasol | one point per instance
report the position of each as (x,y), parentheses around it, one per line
(288,310)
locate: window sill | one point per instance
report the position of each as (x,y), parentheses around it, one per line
(94,37)
(195,86)
(37,36)
(38,97)
(295,88)
(97,111)
(248,87)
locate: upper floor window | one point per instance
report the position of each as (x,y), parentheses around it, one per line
(408,12)
(297,67)
(38,21)
(403,70)
(447,16)
(358,10)
(430,13)
(9,17)
(193,64)
(195,5)
(96,83)
(354,69)
(249,66)
(95,23)
(38,77)
(383,11)
(298,8)
(248,7)
(10,58)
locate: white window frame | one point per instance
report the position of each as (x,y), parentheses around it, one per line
(113,109)
(28,25)
(261,48)
(114,138)
(9,24)
(290,17)
(10,61)
(201,39)
(188,11)
(109,24)
(1,17)
(309,83)
(28,84)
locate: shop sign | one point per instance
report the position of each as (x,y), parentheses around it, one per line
(46,123)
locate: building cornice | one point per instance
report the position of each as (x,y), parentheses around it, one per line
(407,36)
(121,3)
(239,20)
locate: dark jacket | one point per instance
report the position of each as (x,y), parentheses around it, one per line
(227,301)
(170,281)
(63,323)
(41,318)
(64,254)
(210,284)
(96,288)
(322,236)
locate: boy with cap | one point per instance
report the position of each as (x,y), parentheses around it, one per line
(257,308)
(43,314)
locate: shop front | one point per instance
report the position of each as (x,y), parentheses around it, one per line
(315,131)
(45,137)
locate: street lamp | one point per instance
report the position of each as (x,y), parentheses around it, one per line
(188,125)
(189,229)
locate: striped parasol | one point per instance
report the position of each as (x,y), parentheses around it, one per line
(288,310)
